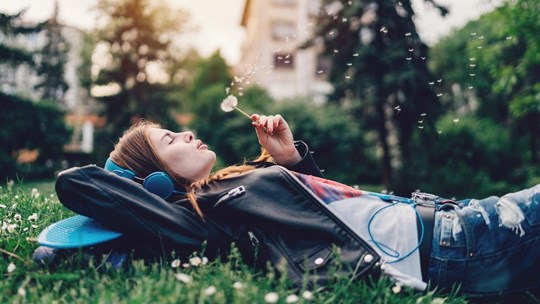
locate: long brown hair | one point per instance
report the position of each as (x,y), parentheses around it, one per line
(134,151)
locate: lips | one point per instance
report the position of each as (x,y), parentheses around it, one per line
(200,145)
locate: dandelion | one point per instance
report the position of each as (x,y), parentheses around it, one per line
(307,295)
(238,285)
(184,278)
(271,297)
(11,268)
(230,103)
(33,217)
(175,263)
(210,291)
(291,298)
(195,261)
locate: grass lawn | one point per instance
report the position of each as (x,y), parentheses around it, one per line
(28,208)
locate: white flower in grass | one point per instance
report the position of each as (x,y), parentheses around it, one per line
(35,193)
(238,285)
(184,278)
(204,260)
(4,226)
(185,265)
(25,229)
(397,288)
(11,268)
(195,261)
(291,298)
(15,205)
(21,291)
(307,295)
(438,301)
(33,217)
(175,263)
(34,226)
(210,291)
(271,297)
(3,206)
(11,228)
(17,217)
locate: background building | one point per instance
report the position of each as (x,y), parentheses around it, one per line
(271,53)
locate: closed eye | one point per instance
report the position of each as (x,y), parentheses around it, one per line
(172,140)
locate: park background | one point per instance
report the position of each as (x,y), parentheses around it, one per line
(389,96)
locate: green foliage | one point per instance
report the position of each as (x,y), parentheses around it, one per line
(378,65)
(470,159)
(8,27)
(138,36)
(29,125)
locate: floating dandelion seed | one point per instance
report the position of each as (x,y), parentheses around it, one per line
(431,83)
(472,74)
(397,109)
(408,34)
(472,65)
(479,47)
(509,38)
(481,37)
(439,80)
(440,94)
(470,87)
(473,34)
(408,58)
(230,103)
(383,30)
(456,120)
(439,131)
(472,59)
(349,63)
(355,55)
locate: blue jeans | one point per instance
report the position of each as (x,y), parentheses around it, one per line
(489,246)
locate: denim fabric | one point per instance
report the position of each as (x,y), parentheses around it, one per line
(488,246)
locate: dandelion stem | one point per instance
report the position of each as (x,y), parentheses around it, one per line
(242,111)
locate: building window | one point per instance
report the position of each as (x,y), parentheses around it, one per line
(283,30)
(283,61)
(284,2)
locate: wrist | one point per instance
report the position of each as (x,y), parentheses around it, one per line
(289,159)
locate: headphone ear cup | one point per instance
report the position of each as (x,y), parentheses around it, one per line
(159,183)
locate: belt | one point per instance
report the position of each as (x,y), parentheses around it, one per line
(427,217)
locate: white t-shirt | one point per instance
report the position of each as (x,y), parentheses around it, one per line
(394,228)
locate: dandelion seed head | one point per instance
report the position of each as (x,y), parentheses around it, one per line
(229,103)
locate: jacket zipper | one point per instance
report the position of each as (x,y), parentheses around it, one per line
(234,192)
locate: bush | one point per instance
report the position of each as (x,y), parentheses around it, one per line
(25,124)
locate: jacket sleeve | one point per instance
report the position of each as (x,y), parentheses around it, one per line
(125,206)
(307,165)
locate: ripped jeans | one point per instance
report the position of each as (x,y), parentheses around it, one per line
(489,246)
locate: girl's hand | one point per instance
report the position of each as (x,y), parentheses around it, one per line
(276,137)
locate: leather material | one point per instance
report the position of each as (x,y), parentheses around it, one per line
(267,213)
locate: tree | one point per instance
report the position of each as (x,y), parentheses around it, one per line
(498,68)
(9,28)
(51,60)
(379,72)
(137,36)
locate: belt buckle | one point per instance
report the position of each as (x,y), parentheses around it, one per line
(423,198)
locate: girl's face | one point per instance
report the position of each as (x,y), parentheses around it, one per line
(186,156)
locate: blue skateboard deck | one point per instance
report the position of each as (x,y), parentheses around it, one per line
(74,232)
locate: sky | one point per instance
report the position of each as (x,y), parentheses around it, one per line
(218,21)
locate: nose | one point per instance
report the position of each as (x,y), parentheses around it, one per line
(187,136)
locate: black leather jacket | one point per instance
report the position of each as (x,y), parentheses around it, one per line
(268,213)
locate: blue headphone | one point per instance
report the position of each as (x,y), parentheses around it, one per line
(159,183)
